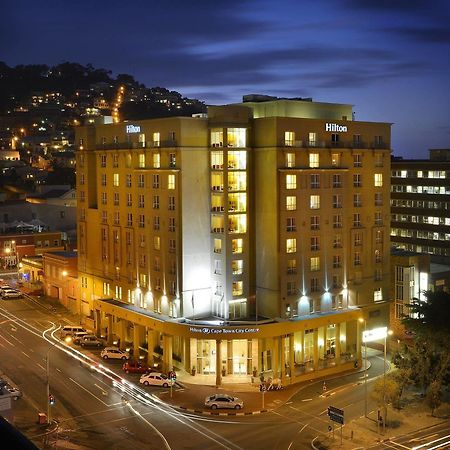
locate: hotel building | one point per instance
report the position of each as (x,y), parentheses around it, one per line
(420,205)
(247,240)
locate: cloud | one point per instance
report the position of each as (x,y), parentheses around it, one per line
(430,34)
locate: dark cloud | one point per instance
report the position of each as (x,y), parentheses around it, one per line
(431,34)
(390,5)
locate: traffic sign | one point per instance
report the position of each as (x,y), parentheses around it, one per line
(336,414)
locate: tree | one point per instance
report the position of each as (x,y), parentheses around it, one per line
(386,391)
(434,396)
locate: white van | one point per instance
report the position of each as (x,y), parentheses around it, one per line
(70,330)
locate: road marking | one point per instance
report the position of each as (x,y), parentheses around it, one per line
(43,368)
(306,400)
(10,343)
(58,370)
(88,391)
(26,354)
(288,403)
(103,391)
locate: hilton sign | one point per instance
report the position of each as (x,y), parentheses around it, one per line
(335,127)
(133,129)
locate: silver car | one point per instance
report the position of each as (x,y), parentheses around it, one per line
(223,401)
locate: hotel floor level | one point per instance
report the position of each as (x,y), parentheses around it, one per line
(293,350)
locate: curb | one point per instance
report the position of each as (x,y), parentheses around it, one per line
(207,413)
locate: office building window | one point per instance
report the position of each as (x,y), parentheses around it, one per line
(314,223)
(378,180)
(141,180)
(116,199)
(171,223)
(291,288)
(357,220)
(291,245)
(141,201)
(115,162)
(155,183)
(312,139)
(315,263)
(313,160)
(129,199)
(128,180)
(104,198)
(141,160)
(102,160)
(379,236)
(337,284)
(357,239)
(291,181)
(103,182)
(290,224)
(116,218)
(237,245)
(357,258)
(314,201)
(156,242)
(156,140)
(289,137)
(171,205)
(129,219)
(156,202)
(335,139)
(172,160)
(172,245)
(378,257)
(377,295)
(378,274)
(156,224)
(291,203)
(116,180)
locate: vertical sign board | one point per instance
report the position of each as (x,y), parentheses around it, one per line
(336,415)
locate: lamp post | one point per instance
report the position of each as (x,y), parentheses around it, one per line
(362,320)
(388,332)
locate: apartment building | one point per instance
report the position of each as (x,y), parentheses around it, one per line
(247,240)
(420,205)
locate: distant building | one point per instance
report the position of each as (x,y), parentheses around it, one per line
(420,204)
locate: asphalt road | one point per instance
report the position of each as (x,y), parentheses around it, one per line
(91,411)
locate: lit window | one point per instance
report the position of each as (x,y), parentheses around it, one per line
(217,245)
(156,160)
(171,182)
(156,142)
(141,160)
(237,288)
(291,266)
(236,245)
(313,160)
(378,179)
(377,295)
(116,180)
(335,159)
(314,201)
(237,266)
(289,137)
(291,181)
(291,203)
(315,263)
(291,245)
(290,159)
(156,242)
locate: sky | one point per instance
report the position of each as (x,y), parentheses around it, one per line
(388,58)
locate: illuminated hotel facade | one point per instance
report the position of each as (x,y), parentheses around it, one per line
(247,240)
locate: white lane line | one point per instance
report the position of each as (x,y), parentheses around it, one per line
(307,400)
(103,391)
(42,367)
(10,343)
(26,354)
(88,391)
(18,340)
(58,370)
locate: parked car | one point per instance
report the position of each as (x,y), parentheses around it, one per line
(136,367)
(223,401)
(76,338)
(6,390)
(70,330)
(114,353)
(11,293)
(4,286)
(91,341)
(155,379)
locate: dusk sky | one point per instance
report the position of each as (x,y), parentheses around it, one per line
(389,58)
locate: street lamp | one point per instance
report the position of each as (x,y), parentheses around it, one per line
(388,332)
(362,320)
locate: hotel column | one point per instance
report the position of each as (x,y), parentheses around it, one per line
(291,356)
(98,322)
(187,353)
(136,339)
(110,329)
(337,343)
(302,349)
(150,346)
(276,356)
(316,348)
(283,358)
(218,363)
(167,352)
(123,333)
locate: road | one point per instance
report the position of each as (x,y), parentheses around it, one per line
(91,411)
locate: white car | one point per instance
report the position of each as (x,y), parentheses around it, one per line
(155,379)
(11,293)
(223,401)
(114,353)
